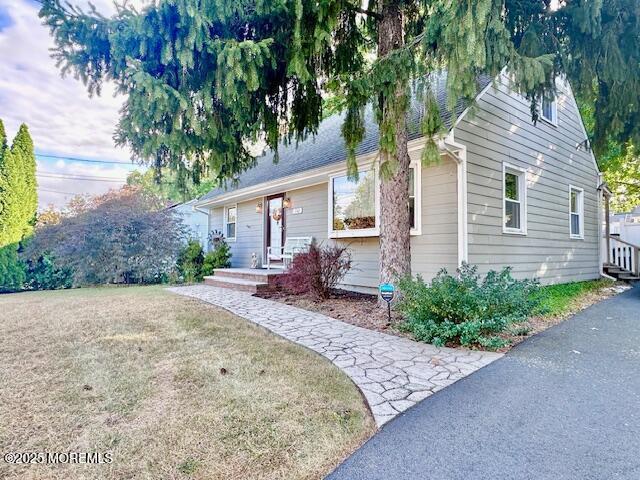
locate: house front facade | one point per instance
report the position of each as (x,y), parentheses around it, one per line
(506,192)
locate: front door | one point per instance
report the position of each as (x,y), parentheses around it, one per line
(275,223)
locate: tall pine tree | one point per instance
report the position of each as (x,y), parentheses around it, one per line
(205,78)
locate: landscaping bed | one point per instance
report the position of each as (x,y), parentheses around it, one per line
(560,302)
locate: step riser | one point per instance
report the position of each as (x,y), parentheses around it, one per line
(269,279)
(233,286)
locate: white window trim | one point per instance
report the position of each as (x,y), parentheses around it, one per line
(375,232)
(364,232)
(226,222)
(417,190)
(554,108)
(521,173)
(580,212)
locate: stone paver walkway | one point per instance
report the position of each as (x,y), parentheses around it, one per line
(393,373)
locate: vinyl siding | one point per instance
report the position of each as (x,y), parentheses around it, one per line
(501,131)
(434,249)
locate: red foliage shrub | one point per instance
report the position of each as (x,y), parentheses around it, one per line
(317,271)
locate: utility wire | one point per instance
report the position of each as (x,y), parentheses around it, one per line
(88,160)
(86,179)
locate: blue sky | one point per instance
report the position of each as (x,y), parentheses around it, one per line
(63,120)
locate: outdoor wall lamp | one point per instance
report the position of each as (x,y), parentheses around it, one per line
(259,207)
(287,203)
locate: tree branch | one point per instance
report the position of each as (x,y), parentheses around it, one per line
(364,11)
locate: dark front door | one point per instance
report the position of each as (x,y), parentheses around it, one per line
(275,222)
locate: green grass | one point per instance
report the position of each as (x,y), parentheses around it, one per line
(560,299)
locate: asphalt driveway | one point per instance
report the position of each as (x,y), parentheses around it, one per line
(564,404)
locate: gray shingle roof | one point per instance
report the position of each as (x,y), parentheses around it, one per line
(327,146)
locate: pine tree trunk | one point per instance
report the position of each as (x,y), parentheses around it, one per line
(395,247)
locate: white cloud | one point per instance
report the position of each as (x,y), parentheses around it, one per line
(61,116)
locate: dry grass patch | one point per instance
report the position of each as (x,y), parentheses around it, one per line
(172,387)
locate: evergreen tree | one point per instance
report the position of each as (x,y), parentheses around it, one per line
(205,78)
(18,189)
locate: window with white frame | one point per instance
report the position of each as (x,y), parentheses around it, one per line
(515,200)
(353,204)
(549,109)
(415,187)
(230,220)
(576,209)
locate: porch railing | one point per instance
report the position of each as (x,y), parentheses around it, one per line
(623,254)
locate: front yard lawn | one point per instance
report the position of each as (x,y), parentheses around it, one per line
(173,388)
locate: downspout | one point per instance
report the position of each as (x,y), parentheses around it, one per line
(460,157)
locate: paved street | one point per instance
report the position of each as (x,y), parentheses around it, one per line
(565,404)
(393,373)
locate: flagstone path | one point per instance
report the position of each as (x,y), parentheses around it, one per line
(393,373)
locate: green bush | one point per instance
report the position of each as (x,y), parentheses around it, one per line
(220,257)
(465,309)
(190,261)
(44,274)
(12,270)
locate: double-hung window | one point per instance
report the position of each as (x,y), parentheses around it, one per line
(515,200)
(549,109)
(230,220)
(576,212)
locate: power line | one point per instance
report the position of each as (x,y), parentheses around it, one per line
(88,160)
(86,179)
(83,175)
(40,189)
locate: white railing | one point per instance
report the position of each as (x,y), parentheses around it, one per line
(624,255)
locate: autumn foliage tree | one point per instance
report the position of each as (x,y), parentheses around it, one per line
(124,236)
(207,78)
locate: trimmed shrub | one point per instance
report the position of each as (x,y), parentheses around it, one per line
(220,257)
(318,271)
(465,309)
(190,261)
(12,270)
(44,274)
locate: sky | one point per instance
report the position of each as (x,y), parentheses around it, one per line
(64,121)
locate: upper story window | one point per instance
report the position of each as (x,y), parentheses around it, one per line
(515,200)
(353,205)
(576,212)
(230,220)
(549,109)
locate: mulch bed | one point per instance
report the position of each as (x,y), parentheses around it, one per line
(357,309)
(362,310)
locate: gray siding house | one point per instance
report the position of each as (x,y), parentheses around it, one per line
(505,192)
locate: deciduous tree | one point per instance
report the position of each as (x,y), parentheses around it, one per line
(125,236)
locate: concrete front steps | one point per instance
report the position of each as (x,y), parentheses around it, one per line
(252,280)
